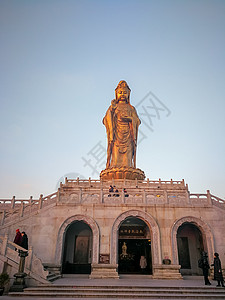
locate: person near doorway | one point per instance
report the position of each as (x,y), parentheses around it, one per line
(218,275)
(204,265)
(143,263)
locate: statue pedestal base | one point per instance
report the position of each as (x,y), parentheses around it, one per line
(122,173)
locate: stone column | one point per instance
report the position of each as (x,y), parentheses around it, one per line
(19,281)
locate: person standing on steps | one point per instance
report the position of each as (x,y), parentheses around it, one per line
(218,275)
(204,265)
(24,242)
(18,238)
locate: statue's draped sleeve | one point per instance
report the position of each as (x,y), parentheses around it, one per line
(108,122)
(135,123)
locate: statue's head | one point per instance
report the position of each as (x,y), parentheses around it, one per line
(122,92)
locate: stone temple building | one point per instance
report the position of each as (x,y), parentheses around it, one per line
(102,227)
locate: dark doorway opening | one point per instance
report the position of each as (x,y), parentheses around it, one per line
(134,245)
(189,245)
(77,249)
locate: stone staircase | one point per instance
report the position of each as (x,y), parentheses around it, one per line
(10,260)
(118,291)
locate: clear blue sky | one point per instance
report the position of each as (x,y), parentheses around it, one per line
(60,63)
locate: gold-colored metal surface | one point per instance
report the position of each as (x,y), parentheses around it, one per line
(121,122)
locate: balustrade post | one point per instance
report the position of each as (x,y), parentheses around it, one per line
(3,217)
(29,258)
(30,202)
(58,195)
(19,281)
(40,202)
(209,199)
(187,194)
(4,244)
(21,209)
(13,202)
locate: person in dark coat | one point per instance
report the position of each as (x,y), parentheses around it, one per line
(24,242)
(204,265)
(18,237)
(218,275)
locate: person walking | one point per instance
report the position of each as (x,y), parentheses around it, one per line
(218,275)
(204,265)
(24,242)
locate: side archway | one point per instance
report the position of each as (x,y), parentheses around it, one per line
(154,229)
(61,235)
(204,228)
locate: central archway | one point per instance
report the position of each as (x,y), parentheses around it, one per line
(153,230)
(134,247)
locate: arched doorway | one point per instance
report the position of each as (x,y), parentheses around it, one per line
(190,244)
(134,242)
(77,253)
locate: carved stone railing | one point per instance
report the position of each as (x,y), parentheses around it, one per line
(95,191)
(18,208)
(33,265)
(123,182)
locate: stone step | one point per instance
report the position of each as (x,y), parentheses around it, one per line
(120,296)
(127,292)
(52,277)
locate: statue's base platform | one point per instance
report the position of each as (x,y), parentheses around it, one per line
(122,173)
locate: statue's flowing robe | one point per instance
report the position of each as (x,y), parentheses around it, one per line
(121,135)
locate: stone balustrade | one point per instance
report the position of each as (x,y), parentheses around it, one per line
(149,192)
(33,265)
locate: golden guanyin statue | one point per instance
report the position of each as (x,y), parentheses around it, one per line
(121,122)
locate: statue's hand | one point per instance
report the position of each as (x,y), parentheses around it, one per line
(125,118)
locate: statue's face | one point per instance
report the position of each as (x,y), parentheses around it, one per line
(122,94)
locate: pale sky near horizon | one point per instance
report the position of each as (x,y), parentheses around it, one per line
(60,64)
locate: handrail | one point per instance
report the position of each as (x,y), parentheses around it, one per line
(24,207)
(33,263)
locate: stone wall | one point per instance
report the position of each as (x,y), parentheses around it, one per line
(163,206)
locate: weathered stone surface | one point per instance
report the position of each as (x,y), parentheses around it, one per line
(46,225)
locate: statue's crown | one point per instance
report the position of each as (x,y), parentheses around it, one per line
(122,84)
